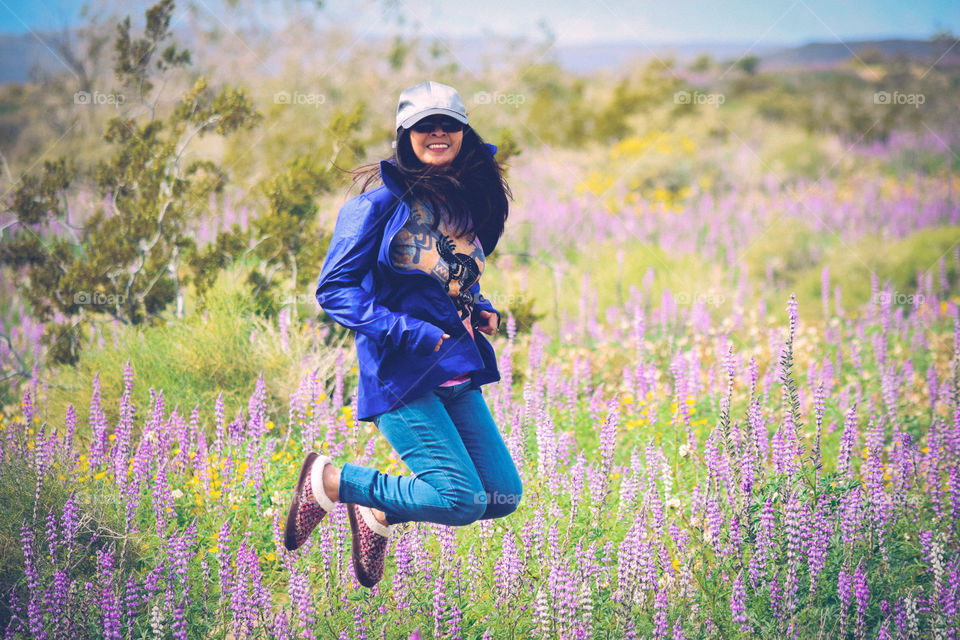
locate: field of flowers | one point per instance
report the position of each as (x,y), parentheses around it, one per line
(702,457)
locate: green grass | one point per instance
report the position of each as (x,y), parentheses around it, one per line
(192,360)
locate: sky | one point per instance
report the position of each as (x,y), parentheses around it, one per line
(572,21)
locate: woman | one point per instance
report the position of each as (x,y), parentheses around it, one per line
(403,271)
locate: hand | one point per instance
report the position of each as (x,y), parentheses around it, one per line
(490,322)
(442,338)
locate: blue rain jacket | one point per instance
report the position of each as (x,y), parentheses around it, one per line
(399,316)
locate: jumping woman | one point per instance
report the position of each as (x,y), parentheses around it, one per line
(403,271)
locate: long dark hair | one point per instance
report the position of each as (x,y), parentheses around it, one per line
(471,189)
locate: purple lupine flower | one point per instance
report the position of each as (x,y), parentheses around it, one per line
(776,598)
(98,425)
(628,487)
(608,434)
(862,593)
(660,620)
(181,434)
(843,591)
(950,600)
(636,561)
(541,612)
(758,428)
(879,500)
(71,423)
(736,534)
(765,547)
(851,515)
(52,536)
(456,615)
(792,313)
(159,410)
(564,595)
(249,598)
(738,604)
(847,442)
(40,459)
(507,569)
(403,571)
(142,463)
(884,633)
(439,604)
(281,627)
(302,603)
(200,460)
(178,552)
(131,602)
(69,523)
(127,377)
(902,465)
(151,583)
(219,414)
(111,622)
(237,430)
(818,542)
(163,503)
(793,520)
(422,561)
(27,407)
(223,561)
(257,409)
(34,611)
(58,596)
(531,534)
(818,406)
(123,433)
(715,521)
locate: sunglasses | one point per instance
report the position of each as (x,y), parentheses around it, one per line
(449,125)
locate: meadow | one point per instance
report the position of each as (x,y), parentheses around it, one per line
(692,466)
(729,356)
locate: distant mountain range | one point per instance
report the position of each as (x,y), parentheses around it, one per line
(21,53)
(586,58)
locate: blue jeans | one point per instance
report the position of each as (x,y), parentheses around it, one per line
(463,470)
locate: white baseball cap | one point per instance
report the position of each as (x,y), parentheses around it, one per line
(427,99)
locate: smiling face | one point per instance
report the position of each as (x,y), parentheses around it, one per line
(436,147)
